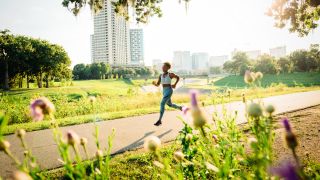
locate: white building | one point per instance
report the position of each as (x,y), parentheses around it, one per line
(110,41)
(218,60)
(278,52)
(136,46)
(200,62)
(182,61)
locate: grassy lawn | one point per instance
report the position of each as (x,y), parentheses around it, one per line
(293,79)
(114,99)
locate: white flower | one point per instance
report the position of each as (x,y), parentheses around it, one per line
(152,143)
(158,164)
(254,110)
(179,156)
(211,167)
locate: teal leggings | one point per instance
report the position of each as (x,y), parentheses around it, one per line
(166,99)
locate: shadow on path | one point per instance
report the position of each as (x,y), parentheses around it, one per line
(140,141)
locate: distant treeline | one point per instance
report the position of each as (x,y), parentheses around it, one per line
(297,61)
(28,59)
(105,71)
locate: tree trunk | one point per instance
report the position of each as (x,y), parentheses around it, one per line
(28,82)
(47,81)
(39,79)
(6,75)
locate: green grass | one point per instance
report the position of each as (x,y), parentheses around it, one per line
(293,79)
(115,99)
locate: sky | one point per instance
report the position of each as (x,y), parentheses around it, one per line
(213,26)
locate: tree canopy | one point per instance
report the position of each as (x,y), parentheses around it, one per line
(23,57)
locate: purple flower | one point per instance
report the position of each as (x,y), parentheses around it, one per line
(286,171)
(194,102)
(40,107)
(286,124)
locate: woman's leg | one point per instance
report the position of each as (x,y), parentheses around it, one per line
(167,92)
(170,104)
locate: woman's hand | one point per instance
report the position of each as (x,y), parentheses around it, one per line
(173,86)
(155,83)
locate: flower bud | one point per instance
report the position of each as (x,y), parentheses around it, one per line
(179,156)
(21,133)
(248,77)
(40,106)
(270,109)
(83,141)
(20,175)
(158,164)
(72,138)
(152,143)
(252,140)
(189,137)
(291,138)
(199,120)
(244,98)
(258,75)
(4,145)
(211,167)
(215,138)
(99,154)
(92,99)
(254,110)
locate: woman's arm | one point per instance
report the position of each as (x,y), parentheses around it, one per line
(158,82)
(172,75)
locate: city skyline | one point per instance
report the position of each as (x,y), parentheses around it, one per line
(200,29)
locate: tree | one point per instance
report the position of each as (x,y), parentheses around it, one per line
(266,64)
(6,42)
(285,65)
(303,61)
(79,72)
(302,15)
(215,70)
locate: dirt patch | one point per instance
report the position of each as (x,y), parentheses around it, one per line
(306,125)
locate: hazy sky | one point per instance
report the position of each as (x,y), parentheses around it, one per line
(212,26)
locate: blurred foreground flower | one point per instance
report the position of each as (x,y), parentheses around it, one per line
(270,109)
(92,99)
(20,175)
(179,156)
(211,167)
(291,138)
(40,107)
(72,138)
(185,110)
(152,143)
(254,110)
(21,133)
(286,171)
(99,154)
(199,120)
(4,145)
(249,77)
(258,75)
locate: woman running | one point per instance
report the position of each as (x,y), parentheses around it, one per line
(165,80)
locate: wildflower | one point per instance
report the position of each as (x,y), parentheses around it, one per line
(286,171)
(248,77)
(83,141)
(229,92)
(152,143)
(99,154)
(215,138)
(97,171)
(244,98)
(291,138)
(179,156)
(211,167)
(158,164)
(254,110)
(199,120)
(4,145)
(189,137)
(258,75)
(40,107)
(270,109)
(92,99)
(72,138)
(20,175)
(21,133)
(252,140)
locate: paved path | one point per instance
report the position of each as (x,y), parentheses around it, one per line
(131,132)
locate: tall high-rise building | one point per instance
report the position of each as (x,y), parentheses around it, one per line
(200,61)
(278,51)
(182,61)
(136,46)
(253,54)
(110,41)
